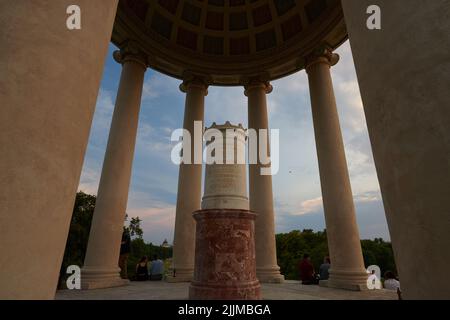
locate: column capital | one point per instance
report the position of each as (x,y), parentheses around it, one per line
(194,81)
(257,83)
(131,52)
(323,54)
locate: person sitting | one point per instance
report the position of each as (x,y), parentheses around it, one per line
(142,269)
(390,282)
(324,269)
(156,269)
(307,273)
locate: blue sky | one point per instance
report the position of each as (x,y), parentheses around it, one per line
(297,195)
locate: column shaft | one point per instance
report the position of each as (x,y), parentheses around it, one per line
(101,263)
(347,269)
(189,189)
(261,197)
(405,89)
(49,83)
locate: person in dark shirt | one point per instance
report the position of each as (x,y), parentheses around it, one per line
(307,273)
(125,248)
(142,269)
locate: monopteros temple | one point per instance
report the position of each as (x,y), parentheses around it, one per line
(49,82)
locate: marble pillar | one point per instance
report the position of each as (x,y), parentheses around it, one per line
(189,187)
(100,268)
(49,83)
(404,74)
(261,196)
(347,265)
(225,262)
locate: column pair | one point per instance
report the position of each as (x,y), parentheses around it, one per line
(189,189)
(101,262)
(347,265)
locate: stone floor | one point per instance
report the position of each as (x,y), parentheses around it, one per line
(290,290)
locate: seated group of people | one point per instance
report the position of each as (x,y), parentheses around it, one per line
(153,272)
(307,273)
(308,276)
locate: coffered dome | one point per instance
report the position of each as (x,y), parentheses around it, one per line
(229,40)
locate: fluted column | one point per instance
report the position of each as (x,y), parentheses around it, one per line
(347,265)
(49,81)
(101,263)
(189,187)
(261,197)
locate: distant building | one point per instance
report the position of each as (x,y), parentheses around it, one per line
(165,244)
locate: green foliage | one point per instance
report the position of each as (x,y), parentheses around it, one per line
(291,247)
(380,253)
(135,228)
(78,237)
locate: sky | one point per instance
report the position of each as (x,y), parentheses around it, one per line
(296,187)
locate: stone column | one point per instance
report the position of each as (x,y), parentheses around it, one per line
(189,187)
(404,75)
(347,265)
(101,262)
(49,81)
(261,197)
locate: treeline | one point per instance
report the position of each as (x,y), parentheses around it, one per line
(291,247)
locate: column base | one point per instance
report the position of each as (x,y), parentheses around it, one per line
(346,280)
(97,278)
(242,291)
(183,275)
(269,275)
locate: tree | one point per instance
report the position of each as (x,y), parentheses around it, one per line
(135,228)
(78,237)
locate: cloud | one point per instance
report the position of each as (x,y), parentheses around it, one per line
(89,180)
(158,217)
(309,214)
(158,85)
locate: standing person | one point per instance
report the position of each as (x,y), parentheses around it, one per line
(324,269)
(307,273)
(125,249)
(156,269)
(142,269)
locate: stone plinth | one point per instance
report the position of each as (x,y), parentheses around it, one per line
(225,262)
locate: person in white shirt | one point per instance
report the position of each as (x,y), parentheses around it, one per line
(390,282)
(156,269)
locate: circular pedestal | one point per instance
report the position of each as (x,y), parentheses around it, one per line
(225,264)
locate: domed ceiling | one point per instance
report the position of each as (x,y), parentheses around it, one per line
(228,41)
